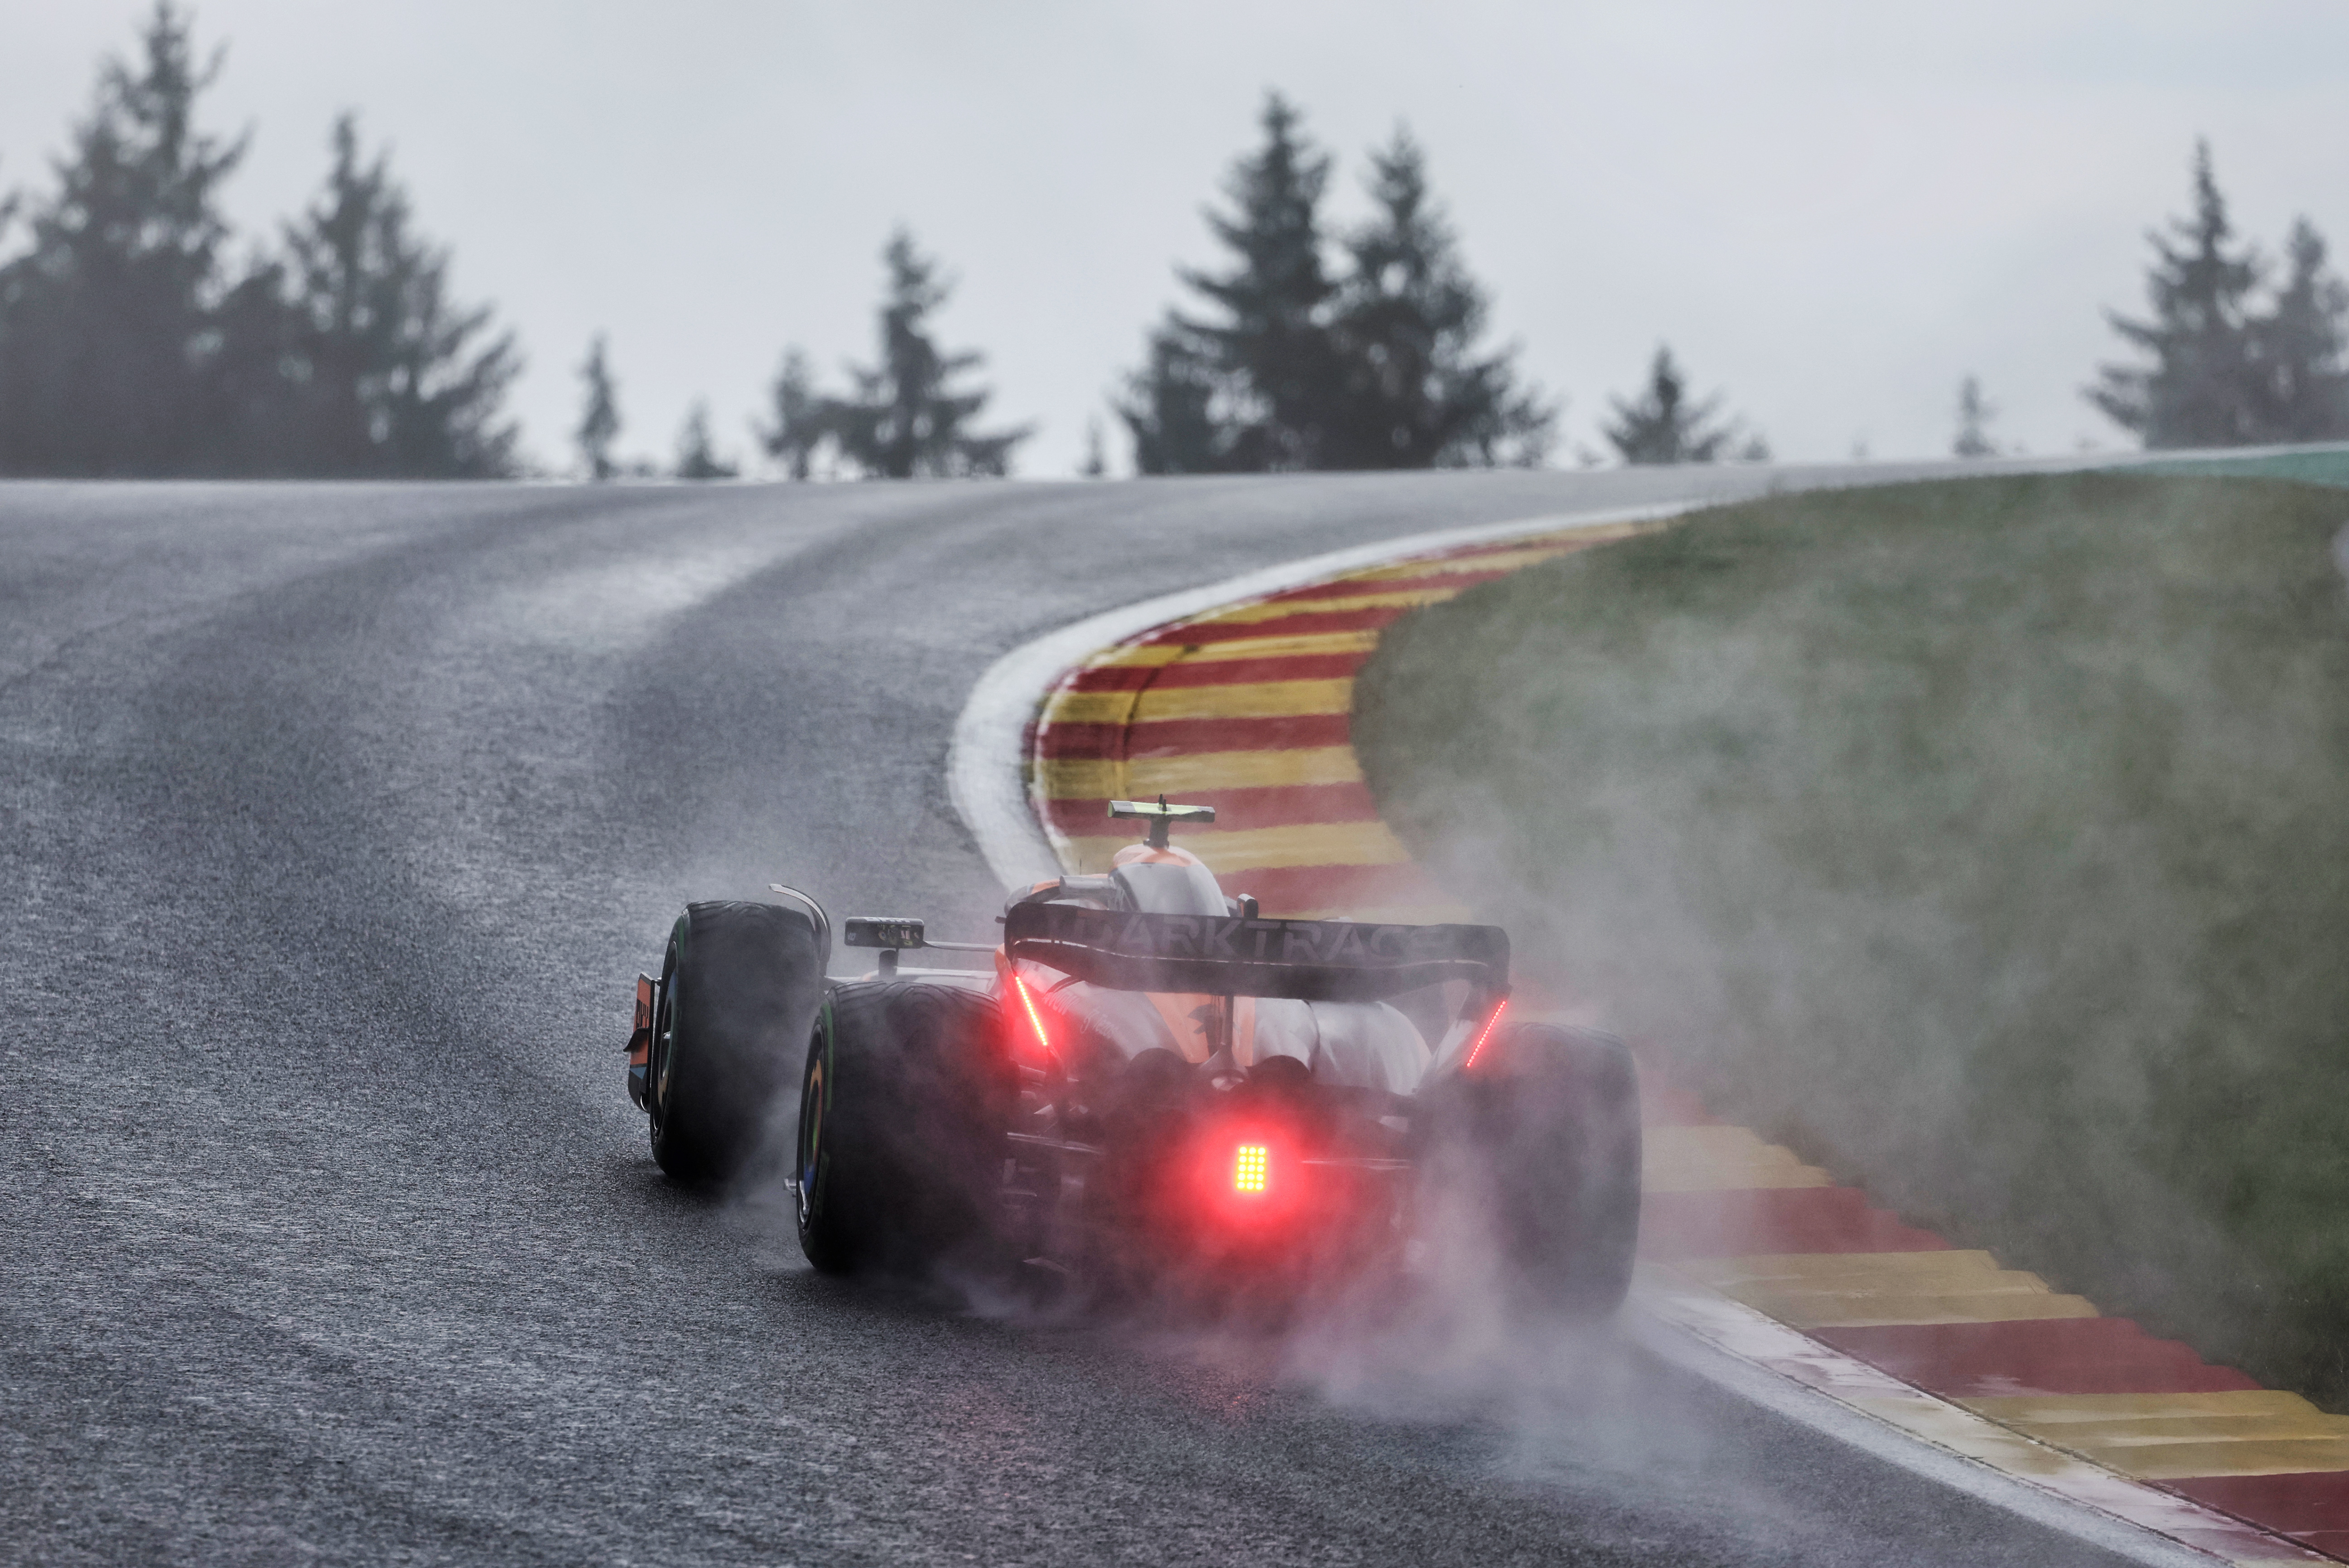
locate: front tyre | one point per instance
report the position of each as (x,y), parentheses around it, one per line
(740,983)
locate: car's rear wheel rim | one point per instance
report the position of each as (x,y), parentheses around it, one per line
(811,1136)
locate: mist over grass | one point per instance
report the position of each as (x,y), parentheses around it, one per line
(1987,841)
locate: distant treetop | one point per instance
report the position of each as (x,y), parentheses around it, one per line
(1291,366)
(2223,363)
(1662,426)
(106,316)
(910,414)
(599,413)
(1974,415)
(696,448)
(128,347)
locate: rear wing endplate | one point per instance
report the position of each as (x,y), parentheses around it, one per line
(1308,960)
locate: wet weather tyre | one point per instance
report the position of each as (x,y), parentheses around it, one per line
(905,1103)
(1548,1134)
(741,986)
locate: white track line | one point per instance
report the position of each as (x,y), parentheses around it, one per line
(1731,1346)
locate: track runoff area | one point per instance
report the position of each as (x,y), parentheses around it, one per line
(1756,1268)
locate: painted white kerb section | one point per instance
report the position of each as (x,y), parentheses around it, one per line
(984,763)
(1764,1362)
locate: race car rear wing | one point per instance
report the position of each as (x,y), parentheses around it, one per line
(1309,961)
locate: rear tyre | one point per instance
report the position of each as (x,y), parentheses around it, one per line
(740,983)
(905,1103)
(1548,1136)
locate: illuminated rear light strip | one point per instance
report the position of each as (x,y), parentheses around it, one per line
(1251,1164)
(1484,1035)
(1035,1018)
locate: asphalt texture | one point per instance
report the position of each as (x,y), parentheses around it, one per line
(336,822)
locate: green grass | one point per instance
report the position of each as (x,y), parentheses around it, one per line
(1986,841)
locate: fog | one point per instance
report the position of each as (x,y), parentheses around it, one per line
(1831,212)
(1990,863)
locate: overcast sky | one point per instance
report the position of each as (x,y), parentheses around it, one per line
(1831,211)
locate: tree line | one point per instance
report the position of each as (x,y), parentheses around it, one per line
(2233,350)
(1310,349)
(1285,361)
(132,345)
(910,414)
(2232,353)
(133,342)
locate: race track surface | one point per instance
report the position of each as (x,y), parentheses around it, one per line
(336,821)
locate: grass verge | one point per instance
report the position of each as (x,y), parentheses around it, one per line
(1988,841)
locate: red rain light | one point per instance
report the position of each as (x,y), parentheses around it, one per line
(1484,1035)
(1035,1016)
(1251,1165)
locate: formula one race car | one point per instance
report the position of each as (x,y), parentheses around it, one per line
(1151,1082)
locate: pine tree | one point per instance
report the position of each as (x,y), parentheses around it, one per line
(107,319)
(1974,414)
(1264,375)
(2298,345)
(906,419)
(1416,394)
(1296,367)
(1663,427)
(2203,386)
(1096,463)
(399,381)
(802,424)
(1271,332)
(599,418)
(697,453)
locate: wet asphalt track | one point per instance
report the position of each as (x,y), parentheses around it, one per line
(334,823)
